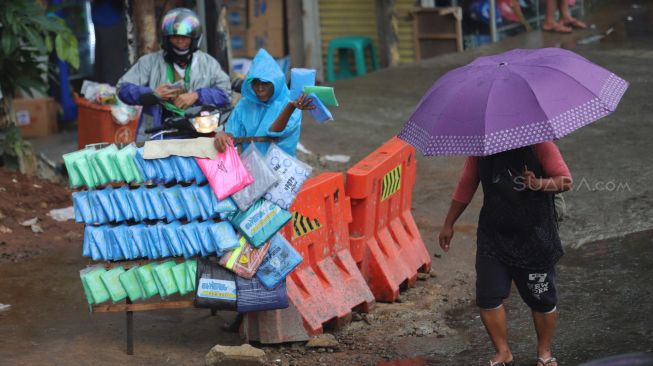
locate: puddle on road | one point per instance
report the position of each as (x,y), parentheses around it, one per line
(635,28)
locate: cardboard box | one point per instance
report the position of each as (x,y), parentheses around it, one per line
(272,39)
(36,117)
(266,14)
(238,40)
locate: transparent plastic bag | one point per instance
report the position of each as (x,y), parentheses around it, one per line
(264,178)
(292,173)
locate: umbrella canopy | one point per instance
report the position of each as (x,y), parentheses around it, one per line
(511,100)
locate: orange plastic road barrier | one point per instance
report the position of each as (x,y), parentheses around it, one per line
(385,241)
(327,285)
(95,124)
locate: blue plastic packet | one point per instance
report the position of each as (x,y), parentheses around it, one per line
(136,199)
(154,203)
(299,78)
(100,240)
(198,175)
(203,195)
(118,215)
(156,242)
(184,169)
(224,236)
(165,170)
(172,239)
(88,241)
(179,175)
(253,296)
(173,202)
(279,261)
(227,205)
(188,235)
(99,214)
(140,239)
(321,113)
(121,239)
(121,202)
(145,167)
(203,232)
(206,212)
(262,220)
(93,246)
(190,203)
(83,209)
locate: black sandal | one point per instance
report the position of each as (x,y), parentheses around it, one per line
(511,363)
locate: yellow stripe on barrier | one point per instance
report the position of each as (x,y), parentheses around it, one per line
(302,225)
(391,183)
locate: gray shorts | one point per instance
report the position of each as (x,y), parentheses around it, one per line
(493,281)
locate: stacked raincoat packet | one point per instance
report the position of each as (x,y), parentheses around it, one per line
(230,208)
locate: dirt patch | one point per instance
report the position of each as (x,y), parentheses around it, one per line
(23,198)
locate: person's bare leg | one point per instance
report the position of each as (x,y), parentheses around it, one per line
(550,24)
(545,325)
(516,8)
(497,328)
(566,18)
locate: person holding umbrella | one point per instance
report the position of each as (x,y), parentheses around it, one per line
(502,112)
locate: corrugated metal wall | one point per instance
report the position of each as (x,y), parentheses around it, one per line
(405,24)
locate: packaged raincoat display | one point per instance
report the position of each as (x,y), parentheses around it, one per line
(279,261)
(145,277)
(83,167)
(126,165)
(253,296)
(244,260)
(264,178)
(325,93)
(321,113)
(75,178)
(292,174)
(140,240)
(223,236)
(82,207)
(119,197)
(226,173)
(173,202)
(146,168)
(215,286)
(252,117)
(154,203)
(262,220)
(136,199)
(184,168)
(180,274)
(164,279)
(190,203)
(92,283)
(111,282)
(165,170)
(299,78)
(105,159)
(171,238)
(121,243)
(102,207)
(129,282)
(190,241)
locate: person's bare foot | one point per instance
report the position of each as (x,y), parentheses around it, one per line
(574,23)
(556,28)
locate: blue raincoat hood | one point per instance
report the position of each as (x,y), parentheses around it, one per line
(252,117)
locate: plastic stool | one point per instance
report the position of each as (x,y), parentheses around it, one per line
(343,44)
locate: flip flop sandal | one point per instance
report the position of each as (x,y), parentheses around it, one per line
(548,362)
(511,363)
(576,24)
(558,28)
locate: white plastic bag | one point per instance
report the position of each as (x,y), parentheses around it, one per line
(292,173)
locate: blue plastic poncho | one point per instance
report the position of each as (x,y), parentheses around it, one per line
(251,117)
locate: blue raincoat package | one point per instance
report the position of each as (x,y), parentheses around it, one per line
(154,203)
(264,178)
(190,203)
(299,78)
(158,249)
(174,206)
(224,236)
(136,199)
(253,296)
(82,206)
(292,173)
(101,242)
(146,168)
(251,117)
(121,238)
(184,168)
(279,261)
(188,237)
(119,198)
(198,174)
(140,239)
(165,170)
(171,238)
(90,248)
(262,220)
(102,207)
(321,113)
(203,232)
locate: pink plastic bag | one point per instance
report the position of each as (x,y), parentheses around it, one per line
(226,173)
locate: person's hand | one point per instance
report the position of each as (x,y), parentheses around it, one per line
(530,180)
(186,100)
(446,234)
(166,92)
(222,141)
(303,103)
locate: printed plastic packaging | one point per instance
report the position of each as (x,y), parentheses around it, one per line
(226,173)
(216,286)
(279,261)
(174,206)
(126,165)
(190,203)
(145,277)
(299,78)
(83,166)
(164,279)
(94,289)
(223,236)
(129,282)
(264,178)
(76,179)
(145,167)
(253,296)
(325,93)
(82,207)
(120,200)
(244,260)
(111,281)
(292,174)
(321,113)
(262,220)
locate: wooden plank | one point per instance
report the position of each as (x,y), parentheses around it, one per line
(438,36)
(115,308)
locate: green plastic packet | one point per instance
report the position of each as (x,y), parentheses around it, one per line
(105,158)
(164,278)
(126,165)
(111,280)
(325,93)
(145,277)
(131,285)
(84,167)
(94,289)
(180,274)
(191,272)
(76,179)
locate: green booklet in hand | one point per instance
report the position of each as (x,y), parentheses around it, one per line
(325,93)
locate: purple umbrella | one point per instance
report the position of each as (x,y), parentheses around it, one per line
(514,99)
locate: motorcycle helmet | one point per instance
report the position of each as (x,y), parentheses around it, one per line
(180,22)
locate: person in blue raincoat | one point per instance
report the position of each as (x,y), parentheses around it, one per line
(265,113)
(180,74)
